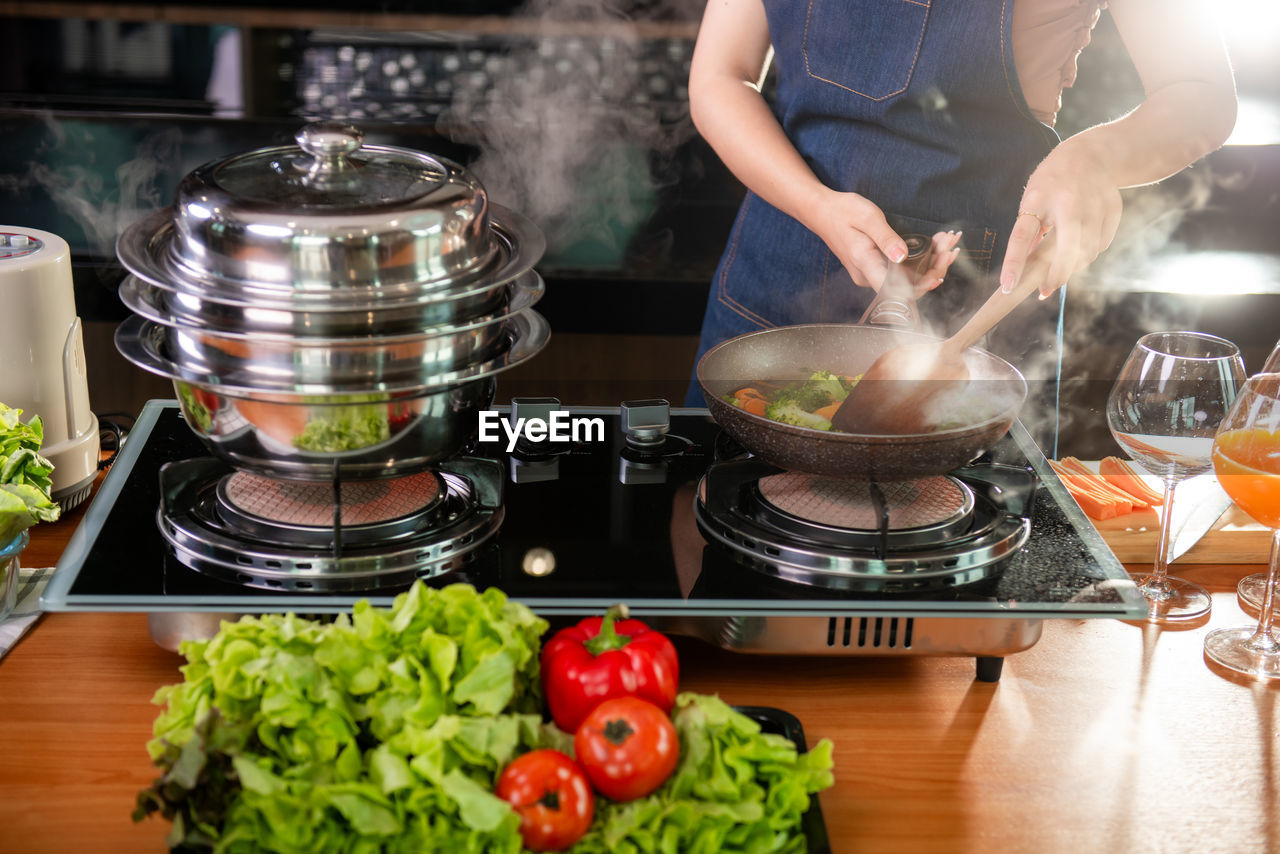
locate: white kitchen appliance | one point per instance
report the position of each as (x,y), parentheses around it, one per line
(42,363)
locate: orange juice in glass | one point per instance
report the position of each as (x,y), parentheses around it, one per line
(1246,459)
(1247,462)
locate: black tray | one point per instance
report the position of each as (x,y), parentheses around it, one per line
(788,725)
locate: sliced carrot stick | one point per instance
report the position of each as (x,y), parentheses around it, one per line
(828,411)
(1074,466)
(1122,475)
(1093,486)
(748,391)
(1096,503)
(754,405)
(1093,506)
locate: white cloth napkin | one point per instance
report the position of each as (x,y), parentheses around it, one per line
(31,584)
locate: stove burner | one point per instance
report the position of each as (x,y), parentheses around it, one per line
(846,512)
(951,535)
(247,529)
(306,512)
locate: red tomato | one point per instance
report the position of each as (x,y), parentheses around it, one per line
(553,798)
(628,747)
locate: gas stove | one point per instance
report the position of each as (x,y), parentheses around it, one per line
(647,505)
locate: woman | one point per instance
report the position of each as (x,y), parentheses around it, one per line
(931,119)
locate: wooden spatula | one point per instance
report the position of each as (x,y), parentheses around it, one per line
(897,394)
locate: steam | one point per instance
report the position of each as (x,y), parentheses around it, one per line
(578,131)
(66,173)
(1105,315)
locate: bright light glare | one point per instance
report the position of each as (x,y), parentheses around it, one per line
(268,317)
(265,230)
(1257,123)
(1249,25)
(1214,274)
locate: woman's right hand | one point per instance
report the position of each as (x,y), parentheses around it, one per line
(729,60)
(857,233)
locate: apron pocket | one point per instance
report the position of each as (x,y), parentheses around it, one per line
(869,49)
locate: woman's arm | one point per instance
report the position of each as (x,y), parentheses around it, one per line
(729,61)
(1072,200)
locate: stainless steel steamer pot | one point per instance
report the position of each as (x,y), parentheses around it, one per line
(334,309)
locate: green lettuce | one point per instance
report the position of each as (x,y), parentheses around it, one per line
(25,476)
(736,789)
(383,730)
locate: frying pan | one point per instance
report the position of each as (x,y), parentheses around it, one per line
(788,354)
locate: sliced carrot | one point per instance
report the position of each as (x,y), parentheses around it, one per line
(754,405)
(1074,466)
(1122,475)
(1093,485)
(1096,503)
(1093,506)
(828,412)
(748,391)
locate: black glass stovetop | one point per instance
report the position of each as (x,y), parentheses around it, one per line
(615,526)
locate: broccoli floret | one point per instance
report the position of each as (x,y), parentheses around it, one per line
(829,384)
(790,412)
(803,397)
(823,388)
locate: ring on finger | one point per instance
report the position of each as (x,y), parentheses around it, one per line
(1043,228)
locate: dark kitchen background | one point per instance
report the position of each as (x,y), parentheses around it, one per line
(575,113)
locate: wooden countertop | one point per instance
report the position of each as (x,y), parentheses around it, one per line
(1103,737)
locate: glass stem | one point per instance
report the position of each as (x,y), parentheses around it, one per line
(1263,641)
(1166,526)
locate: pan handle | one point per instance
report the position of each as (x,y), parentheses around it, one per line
(895,302)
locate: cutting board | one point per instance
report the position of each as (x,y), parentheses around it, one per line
(1234,538)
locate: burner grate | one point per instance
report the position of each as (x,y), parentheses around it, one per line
(213,536)
(849,503)
(844,513)
(312,505)
(736,509)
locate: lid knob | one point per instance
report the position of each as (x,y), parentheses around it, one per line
(329,143)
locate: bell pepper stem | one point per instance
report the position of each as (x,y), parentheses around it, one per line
(608,638)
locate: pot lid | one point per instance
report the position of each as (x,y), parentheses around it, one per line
(330,213)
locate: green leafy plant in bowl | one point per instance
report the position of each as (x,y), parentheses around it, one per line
(24,493)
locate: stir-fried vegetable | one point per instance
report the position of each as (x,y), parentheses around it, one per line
(807,404)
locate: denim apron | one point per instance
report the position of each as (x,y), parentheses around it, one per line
(914,104)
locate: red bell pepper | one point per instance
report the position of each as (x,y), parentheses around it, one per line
(605,657)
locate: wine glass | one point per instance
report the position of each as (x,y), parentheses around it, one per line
(1168,400)
(1246,458)
(1252,588)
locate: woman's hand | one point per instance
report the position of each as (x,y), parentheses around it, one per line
(1071,206)
(1068,215)
(857,233)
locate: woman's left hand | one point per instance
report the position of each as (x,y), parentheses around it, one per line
(1068,215)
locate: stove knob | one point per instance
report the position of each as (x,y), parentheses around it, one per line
(645,423)
(532,409)
(539,408)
